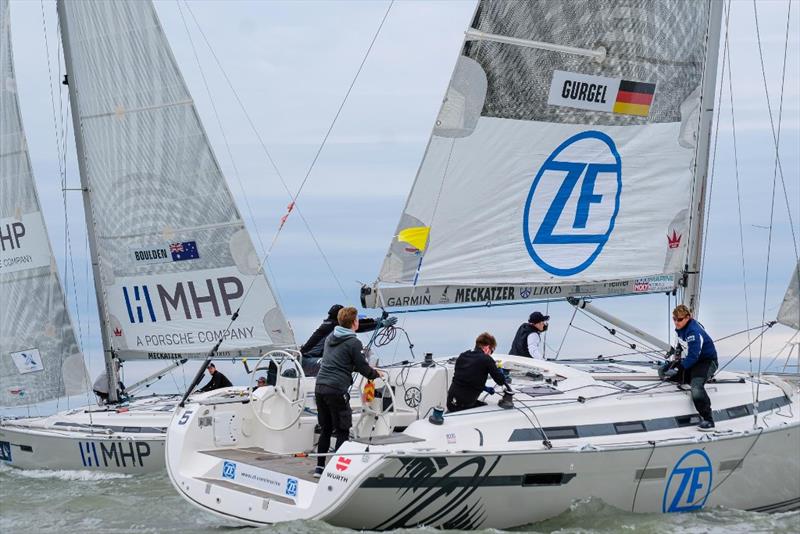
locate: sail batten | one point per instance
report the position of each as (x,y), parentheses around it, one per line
(563,152)
(175,259)
(39,355)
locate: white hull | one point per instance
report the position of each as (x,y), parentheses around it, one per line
(126,438)
(489,468)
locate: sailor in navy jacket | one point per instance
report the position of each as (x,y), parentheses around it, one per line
(699,362)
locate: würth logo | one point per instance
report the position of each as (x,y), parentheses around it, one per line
(674,240)
(343,463)
(118,332)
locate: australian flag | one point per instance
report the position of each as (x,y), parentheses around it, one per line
(184,251)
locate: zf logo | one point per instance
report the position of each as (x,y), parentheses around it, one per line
(291,487)
(229,470)
(689,484)
(572,204)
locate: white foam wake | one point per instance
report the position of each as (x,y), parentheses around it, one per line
(80,475)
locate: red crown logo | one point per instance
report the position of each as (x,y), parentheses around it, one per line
(117,332)
(674,240)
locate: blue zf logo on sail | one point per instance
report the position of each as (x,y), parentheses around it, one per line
(229,470)
(184,301)
(572,204)
(689,484)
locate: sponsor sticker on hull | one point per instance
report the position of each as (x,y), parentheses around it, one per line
(110,454)
(689,483)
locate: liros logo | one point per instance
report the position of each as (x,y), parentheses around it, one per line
(229,470)
(689,484)
(573,203)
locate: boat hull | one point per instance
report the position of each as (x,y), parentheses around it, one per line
(29,448)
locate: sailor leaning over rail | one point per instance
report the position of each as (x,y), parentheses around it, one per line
(342,355)
(699,363)
(472,369)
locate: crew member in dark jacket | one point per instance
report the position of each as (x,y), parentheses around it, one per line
(528,339)
(313,348)
(341,356)
(472,369)
(218,380)
(699,362)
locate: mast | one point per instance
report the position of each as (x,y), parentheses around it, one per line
(691,293)
(108,352)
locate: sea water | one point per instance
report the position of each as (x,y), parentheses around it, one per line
(85,501)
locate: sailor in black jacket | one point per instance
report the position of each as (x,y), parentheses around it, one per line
(472,369)
(218,380)
(313,348)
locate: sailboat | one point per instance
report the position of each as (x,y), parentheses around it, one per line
(171,257)
(568,159)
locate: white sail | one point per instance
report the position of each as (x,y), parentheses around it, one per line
(39,357)
(175,259)
(561,161)
(789,313)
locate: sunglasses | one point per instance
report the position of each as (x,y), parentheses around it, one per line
(678,319)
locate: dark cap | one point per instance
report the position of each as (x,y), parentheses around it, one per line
(334,311)
(537,317)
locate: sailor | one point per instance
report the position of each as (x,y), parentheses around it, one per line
(699,363)
(528,339)
(261,382)
(472,369)
(100,386)
(342,355)
(313,348)
(218,380)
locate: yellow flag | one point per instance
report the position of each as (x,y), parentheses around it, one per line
(416,236)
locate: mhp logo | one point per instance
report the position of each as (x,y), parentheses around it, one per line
(572,204)
(689,484)
(229,470)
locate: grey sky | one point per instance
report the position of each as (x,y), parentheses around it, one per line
(291,63)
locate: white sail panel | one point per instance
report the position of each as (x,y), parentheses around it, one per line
(789,313)
(162,214)
(549,168)
(39,356)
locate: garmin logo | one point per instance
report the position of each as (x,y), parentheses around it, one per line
(572,204)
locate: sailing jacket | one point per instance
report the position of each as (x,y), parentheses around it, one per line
(700,345)
(472,369)
(342,356)
(519,347)
(315,345)
(218,380)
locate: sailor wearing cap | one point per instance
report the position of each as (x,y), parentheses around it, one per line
(528,338)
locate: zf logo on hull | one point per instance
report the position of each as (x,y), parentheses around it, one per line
(689,484)
(573,203)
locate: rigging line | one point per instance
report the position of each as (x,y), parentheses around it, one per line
(739,206)
(620,334)
(639,480)
(236,173)
(268,154)
(563,339)
(776,136)
(713,158)
(765,328)
(787,344)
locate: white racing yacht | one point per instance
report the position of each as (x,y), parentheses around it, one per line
(569,159)
(171,257)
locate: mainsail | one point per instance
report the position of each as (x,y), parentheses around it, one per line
(39,357)
(562,159)
(174,259)
(789,313)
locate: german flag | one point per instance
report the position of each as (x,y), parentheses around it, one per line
(634,98)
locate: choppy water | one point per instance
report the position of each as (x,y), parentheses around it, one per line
(82,501)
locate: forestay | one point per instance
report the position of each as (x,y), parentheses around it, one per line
(789,313)
(39,357)
(552,173)
(175,259)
